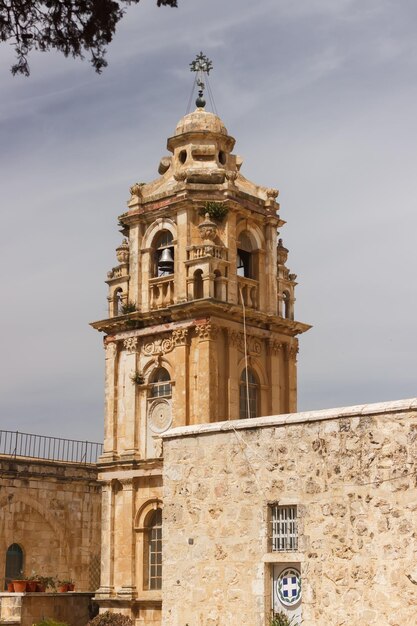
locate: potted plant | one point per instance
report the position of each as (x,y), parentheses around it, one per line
(10,587)
(19,584)
(61,586)
(43,582)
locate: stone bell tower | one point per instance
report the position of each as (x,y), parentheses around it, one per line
(200,328)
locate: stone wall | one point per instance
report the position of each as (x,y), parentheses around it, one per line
(52,510)
(25,609)
(352,475)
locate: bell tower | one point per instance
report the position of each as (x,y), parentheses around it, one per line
(200,328)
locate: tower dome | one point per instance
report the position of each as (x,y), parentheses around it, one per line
(200,120)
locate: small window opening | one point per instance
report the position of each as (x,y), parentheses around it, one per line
(222,157)
(217,285)
(198,284)
(284,528)
(286,305)
(14,563)
(182,156)
(160,386)
(118,302)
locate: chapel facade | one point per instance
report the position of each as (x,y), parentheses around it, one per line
(201,328)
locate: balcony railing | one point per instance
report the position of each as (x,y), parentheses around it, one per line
(204,250)
(161,292)
(248,291)
(15,444)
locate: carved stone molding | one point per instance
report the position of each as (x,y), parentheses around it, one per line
(136,189)
(274,346)
(156,345)
(180,336)
(127,483)
(122,252)
(253,344)
(111,349)
(131,344)
(292,352)
(206,331)
(231,175)
(272,193)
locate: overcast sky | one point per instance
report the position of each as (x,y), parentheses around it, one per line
(321,98)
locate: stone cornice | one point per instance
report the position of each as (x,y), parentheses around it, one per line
(361,410)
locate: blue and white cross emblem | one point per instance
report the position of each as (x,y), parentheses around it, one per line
(289,586)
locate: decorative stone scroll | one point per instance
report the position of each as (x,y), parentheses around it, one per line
(157,345)
(131,344)
(254,345)
(206,331)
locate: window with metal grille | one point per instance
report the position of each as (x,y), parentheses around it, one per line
(284,530)
(160,386)
(154,540)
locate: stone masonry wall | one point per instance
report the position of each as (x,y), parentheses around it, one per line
(352,474)
(52,510)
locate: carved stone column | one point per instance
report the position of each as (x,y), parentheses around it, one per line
(110,443)
(128,419)
(207,373)
(181,402)
(275,375)
(234,340)
(292,376)
(106,588)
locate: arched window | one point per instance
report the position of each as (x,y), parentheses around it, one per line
(286,305)
(217,285)
(160,384)
(248,394)
(14,563)
(152,557)
(244,259)
(198,284)
(163,254)
(118,302)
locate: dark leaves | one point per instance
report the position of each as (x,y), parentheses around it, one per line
(73,27)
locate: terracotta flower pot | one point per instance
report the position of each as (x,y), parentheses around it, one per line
(71,587)
(31,586)
(19,586)
(10,587)
(41,587)
(62,588)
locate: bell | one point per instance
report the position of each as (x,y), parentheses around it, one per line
(166,262)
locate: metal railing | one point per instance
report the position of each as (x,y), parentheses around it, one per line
(15,444)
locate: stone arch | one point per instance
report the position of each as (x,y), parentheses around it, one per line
(56,526)
(162,223)
(257,368)
(143,512)
(254,232)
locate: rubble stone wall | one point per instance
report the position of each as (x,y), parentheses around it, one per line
(352,475)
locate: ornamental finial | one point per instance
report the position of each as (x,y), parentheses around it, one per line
(201,65)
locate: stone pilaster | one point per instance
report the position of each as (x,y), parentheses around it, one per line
(106,588)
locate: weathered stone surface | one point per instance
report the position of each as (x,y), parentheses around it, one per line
(351,473)
(52,510)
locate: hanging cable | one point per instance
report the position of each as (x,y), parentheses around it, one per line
(211,96)
(246,352)
(191,95)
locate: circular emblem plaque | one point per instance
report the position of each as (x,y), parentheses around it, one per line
(289,586)
(159,416)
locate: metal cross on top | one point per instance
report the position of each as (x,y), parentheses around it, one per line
(201,65)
